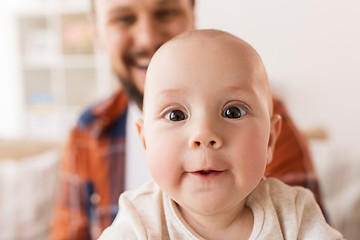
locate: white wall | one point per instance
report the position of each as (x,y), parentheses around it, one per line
(11,99)
(311,50)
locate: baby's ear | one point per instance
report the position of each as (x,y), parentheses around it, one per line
(275,129)
(140,129)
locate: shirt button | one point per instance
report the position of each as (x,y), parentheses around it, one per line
(95,198)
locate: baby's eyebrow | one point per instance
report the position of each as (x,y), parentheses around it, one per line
(171,92)
(165,96)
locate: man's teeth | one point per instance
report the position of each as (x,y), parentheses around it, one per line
(143,62)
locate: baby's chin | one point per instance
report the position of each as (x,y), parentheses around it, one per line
(211,204)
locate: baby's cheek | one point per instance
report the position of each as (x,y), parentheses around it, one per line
(164,165)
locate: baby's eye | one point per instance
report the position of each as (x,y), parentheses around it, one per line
(176,115)
(234,112)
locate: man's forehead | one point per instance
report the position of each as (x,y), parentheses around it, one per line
(128,3)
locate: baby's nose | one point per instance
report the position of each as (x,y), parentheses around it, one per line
(205,137)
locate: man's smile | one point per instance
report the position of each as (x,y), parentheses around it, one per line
(142,62)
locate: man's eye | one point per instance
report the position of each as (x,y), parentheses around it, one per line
(234,112)
(125,19)
(164,14)
(176,115)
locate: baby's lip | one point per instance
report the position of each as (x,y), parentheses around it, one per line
(206,172)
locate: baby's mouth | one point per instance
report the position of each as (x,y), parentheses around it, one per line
(206,173)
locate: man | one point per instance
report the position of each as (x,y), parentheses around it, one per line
(101,146)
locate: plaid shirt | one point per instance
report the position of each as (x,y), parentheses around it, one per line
(92,170)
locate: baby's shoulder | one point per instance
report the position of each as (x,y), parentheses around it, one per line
(278,189)
(149,193)
(289,212)
(284,201)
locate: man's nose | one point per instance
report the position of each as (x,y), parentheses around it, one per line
(206,135)
(148,34)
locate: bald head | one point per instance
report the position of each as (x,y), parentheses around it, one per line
(207,105)
(210,53)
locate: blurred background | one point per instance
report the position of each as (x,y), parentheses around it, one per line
(50,69)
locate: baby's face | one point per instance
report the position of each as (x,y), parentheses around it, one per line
(206,123)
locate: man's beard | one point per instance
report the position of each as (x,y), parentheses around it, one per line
(132,91)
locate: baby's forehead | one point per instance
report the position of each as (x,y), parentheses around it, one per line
(208,41)
(207,46)
(208,52)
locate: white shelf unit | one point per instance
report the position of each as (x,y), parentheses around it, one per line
(59,66)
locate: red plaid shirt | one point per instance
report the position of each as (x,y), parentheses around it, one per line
(92,170)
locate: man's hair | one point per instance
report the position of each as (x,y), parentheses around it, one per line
(92,4)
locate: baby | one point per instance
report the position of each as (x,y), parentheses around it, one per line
(208,133)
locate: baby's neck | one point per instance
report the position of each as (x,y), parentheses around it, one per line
(234,224)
